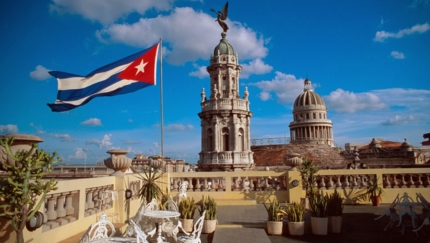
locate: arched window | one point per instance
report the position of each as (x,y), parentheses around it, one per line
(241,140)
(225,139)
(209,142)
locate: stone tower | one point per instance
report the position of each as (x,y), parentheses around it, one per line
(225,116)
(310,125)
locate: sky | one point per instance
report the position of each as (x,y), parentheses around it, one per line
(369,60)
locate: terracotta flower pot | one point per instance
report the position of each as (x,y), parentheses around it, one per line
(376,200)
(319,225)
(187,224)
(296,228)
(209,226)
(274,227)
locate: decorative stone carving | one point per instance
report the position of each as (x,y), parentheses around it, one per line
(293,160)
(21,142)
(118,161)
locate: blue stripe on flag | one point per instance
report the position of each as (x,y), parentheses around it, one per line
(123,90)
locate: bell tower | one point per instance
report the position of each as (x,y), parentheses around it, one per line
(225,116)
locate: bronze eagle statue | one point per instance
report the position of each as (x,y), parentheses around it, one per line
(222,16)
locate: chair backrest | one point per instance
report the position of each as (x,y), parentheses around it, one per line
(170,205)
(99,229)
(198,226)
(86,237)
(153,205)
(183,187)
(140,235)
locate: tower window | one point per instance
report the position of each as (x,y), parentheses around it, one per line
(209,143)
(225,139)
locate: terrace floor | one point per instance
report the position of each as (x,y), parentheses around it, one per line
(246,224)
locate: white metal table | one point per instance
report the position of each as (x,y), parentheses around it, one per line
(161,214)
(115,240)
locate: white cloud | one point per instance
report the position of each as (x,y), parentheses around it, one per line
(104,143)
(62,137)
(9,128)
(200,72)
(184,38)
(79,154)
(130,120)
(346,101)
(381,36)
(285,86)
(178,127)
(256,66)
(40,73)
(397,55)
(92,122)
(107,12)
(398,120)
(39,129)
(417,3)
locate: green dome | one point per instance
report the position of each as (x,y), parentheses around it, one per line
(223,47)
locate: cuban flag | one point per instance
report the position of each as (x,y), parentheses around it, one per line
(121,77)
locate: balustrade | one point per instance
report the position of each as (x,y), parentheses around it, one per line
(59,209)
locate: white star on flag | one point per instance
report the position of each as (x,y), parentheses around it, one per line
(140,67)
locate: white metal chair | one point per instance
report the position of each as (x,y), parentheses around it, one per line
(140,235)
(136,218)
(183,187)
(170,205)
(86,237)
(194,237)
(99,230)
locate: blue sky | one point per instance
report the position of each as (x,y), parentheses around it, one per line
(369,60)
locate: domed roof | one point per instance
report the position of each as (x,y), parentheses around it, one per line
(308,97)
(223,47)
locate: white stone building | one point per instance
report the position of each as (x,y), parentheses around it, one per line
(310,124)
(225,116)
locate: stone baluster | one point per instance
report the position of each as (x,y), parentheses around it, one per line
(322,185)
(266,184)
(61,211)
(198,185)
(354,182)
(182,182)
(52,214)
(205,184)
(403,182)
(427,182)
(338,183)
(258,184)
(221,184)
(346,182)
(395,184)
(419,182)
(97,199)
(70,210)
(330,182)
(90,203)
(314,182)
(190,184)
(411,183)
(386,181)
(175,184)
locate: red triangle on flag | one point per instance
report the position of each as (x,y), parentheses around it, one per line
(144,68)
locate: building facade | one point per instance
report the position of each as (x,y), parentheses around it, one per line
(310,124)
(225,116)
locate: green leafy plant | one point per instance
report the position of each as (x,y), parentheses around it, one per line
(373,190)
(295,212)
(20,190)
(274,211)
(187,207)
(307,171)
(150,188)
(208,203)
(318,203)
(334,204)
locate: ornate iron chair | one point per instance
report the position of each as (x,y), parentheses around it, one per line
(136,218)
(99,229)
(194,237)
(86,237)
(170,205)
(140,235)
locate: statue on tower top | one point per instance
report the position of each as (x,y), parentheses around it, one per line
(222,16)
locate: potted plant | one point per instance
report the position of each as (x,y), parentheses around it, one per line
(150,188)
(275,215)
(296,223)
(318,204)
(307,171)
(335,210)
(187,207)
(209,224)
(374,192)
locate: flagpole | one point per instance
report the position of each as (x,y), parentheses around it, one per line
(161,99)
